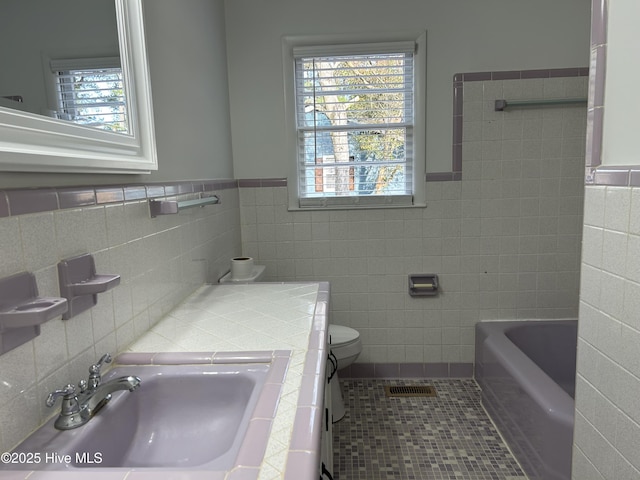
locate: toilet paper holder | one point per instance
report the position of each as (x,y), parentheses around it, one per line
(423,284)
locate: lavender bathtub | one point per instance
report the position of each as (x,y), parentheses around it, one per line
(526,371)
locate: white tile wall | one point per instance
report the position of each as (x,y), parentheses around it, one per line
(505,241)
(160,260)
(607,431)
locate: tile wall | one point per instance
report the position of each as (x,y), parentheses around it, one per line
(161,261)
(607,428)
(505,240)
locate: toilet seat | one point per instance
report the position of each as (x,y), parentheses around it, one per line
(345,341)
(339,334)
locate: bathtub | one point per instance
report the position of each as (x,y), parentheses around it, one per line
(527,371)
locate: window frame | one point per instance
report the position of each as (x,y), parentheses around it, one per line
(289,43)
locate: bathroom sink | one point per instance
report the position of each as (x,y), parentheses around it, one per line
(181,416)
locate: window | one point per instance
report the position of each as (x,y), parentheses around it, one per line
(357,124)
(91,92)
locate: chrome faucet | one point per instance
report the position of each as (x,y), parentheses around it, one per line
(78,408)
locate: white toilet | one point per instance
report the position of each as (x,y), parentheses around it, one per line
(345,346)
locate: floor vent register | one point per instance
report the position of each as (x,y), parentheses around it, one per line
(410,391)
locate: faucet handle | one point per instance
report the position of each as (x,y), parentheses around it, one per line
(68,392)
(95,369)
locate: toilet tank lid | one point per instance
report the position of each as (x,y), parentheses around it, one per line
(341,334)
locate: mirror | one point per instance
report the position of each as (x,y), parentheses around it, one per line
(41,40)
(40,133)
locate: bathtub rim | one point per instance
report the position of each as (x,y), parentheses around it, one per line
(558,403)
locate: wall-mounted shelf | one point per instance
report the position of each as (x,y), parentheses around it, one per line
(80,284)
(501,105)
(170,207)
(22,311)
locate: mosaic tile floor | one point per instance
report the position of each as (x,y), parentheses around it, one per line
(448,437)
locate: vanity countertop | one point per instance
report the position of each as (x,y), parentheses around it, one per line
(284,319)
(284,324)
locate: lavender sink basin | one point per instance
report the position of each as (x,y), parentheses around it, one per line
(181,416)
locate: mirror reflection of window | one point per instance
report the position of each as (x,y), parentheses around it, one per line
(33,32)
(90,92)
(31,138)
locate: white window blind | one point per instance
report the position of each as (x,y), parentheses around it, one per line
(91,92)
(355,124)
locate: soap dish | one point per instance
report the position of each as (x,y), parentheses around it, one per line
(22,311)
(32,312)
(80,284)
(94,285)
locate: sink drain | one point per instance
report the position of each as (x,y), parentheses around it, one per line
(410,391)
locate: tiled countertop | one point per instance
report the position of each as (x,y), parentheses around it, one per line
(284,323)
(255,318)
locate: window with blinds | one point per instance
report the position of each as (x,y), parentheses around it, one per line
(91,92)
(355,124)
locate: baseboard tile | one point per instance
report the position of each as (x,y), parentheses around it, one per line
(407,370)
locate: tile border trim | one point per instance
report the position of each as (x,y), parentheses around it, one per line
(408,370)
(262,182)
(22,201)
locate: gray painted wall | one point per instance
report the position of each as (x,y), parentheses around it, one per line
(462,36)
